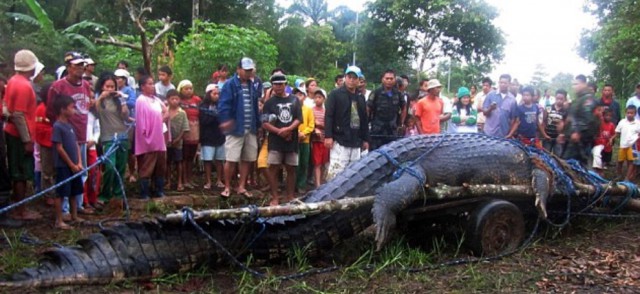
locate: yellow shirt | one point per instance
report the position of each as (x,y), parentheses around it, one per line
(307,125)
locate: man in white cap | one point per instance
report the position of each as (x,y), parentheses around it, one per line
(431,110)
(88,72)
(75,87)
(20,129)
(239,119)
(346,123)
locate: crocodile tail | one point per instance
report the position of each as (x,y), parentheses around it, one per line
(132,250)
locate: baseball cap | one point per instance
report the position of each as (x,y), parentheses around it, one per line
(24,60)
(354,69)
(300,86)
(73,57)
(278,78)
(247,63)
(210,87)
(321,91)
(121,73)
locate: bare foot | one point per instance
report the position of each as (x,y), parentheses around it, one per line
(78,219)
(274,202)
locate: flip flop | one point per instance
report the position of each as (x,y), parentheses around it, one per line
(225,193)
(63,227)
(207,187)
(220,185)
(246,193)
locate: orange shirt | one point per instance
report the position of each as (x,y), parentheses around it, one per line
(20,97)
(429,109)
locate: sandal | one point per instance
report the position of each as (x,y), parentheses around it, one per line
(219,185)
(225,193)
(207,187)
(64,227)
(246,193)
(86,211)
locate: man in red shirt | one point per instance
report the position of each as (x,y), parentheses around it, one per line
(430,109)
(20,129)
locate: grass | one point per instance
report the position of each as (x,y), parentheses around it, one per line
(18,255)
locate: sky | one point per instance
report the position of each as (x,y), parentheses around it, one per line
(545,32)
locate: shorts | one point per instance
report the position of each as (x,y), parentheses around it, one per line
(277,157)
(71,188)
(626,154)
(319,153)
(340,157)
(209,153)
(243,148)
(174,154)
(264,154)
(21,165)
(189,152)
(597,156)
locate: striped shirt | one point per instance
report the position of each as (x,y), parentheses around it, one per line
(246,98)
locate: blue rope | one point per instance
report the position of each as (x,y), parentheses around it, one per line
(409,167)
(100,160)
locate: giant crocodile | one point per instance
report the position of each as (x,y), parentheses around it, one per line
(149,249)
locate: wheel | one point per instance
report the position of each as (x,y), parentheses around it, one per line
(495,227)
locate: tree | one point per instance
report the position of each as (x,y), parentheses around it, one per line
(26,24)
(137,16)
(562,81)
(539,78)
(209,44)
(44,22)
(460,29)
(315,11)
(614,46)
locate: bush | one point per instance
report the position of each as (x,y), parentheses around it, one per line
(208,45)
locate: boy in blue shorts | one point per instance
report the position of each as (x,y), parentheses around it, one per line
(66,158)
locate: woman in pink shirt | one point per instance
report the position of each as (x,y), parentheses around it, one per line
(150,147)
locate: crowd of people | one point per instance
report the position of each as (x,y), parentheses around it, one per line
(271,135)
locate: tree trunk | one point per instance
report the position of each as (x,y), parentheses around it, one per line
(146,53)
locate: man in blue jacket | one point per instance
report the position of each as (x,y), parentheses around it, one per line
(239,120)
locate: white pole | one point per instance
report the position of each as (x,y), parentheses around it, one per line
(355,39)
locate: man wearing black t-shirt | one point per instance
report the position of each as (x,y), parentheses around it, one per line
(281,116)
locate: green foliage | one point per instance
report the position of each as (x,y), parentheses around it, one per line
(615,45)
(210,44)
(461,75)
(312,10)
(108,56)
(461,29)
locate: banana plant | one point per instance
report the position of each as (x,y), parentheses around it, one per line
(42,20)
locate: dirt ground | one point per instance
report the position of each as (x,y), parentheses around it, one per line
(590,255)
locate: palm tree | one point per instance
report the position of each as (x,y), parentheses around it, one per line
(314,10)
(42,20)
